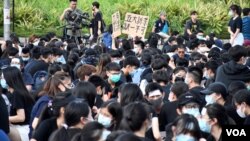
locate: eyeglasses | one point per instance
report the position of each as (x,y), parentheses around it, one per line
(181,52)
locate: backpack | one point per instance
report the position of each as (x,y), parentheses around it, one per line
(107,39)
(39,78)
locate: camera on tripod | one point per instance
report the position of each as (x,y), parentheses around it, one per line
(77,19)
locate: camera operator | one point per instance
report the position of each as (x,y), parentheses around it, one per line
(72,16)
(97,24)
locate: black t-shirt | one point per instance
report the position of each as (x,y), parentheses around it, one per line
(247,120)
(145,139)
(235,23)
(4,118)
(231,111)
(166,90)
(18,102)
(94,22)
(73,131)
(35,66)
(194,27)
(168,114)
(113,91)
(45,129)
(126,78)
(159,24)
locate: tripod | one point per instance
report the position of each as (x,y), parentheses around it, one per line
(72,33)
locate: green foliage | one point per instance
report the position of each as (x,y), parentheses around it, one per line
(40,16)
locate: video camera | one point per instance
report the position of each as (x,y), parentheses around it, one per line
(78,20)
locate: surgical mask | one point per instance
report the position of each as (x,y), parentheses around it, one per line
(115,77)
(16,65)
(248,87)
(209,99)
(136,50)
(156,103)
(204,125)
(117,61)
(36,43)
(105,121)
(240,113)
(183,137)
(200,37)
(192,111)
(187,81)
(230,13)
(4,84)
(206,75)
(25,59)
(61,60)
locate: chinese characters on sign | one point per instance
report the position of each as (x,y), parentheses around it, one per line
(116,23)
(135,25)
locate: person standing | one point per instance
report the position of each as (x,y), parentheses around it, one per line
(73,21)
(235,26)
(192,26)
(246,26)
(97,23)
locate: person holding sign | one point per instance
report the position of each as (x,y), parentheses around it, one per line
(161,26)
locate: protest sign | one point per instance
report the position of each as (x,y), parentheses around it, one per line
(135,25)
(116,23)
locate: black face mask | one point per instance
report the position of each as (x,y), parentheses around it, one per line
(156,103)
(200,65)
(179,79)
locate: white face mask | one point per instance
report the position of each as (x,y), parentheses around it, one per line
(206,75)
(209,99)
(187,80)
(240,112)
(230,13)
(61,60)
(136,50)
(192,111)
(171,97)
(105,121)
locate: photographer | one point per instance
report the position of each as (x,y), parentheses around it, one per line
(73,17)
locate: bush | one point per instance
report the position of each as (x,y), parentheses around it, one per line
(40,16)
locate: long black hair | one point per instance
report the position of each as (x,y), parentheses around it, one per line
(236,8)
(86,91)
(74,111)
(130,93)
(115,109)
(134,115)
(14,79)
(92,131)
(53,109)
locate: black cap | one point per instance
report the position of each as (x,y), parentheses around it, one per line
(216,87)
(188,98)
